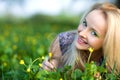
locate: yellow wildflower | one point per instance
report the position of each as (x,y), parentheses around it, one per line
(43,57)
(6,33)
(5,64)
(14,47)
(28,69)
(34,42)
(15,39)
(50,55)
(61,79)
(40,64)
(91,49)
(21,62)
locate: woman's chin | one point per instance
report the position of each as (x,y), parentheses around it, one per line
(81,47)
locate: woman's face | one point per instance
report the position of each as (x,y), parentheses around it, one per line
(91,31)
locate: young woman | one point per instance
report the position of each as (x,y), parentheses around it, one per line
(99,29)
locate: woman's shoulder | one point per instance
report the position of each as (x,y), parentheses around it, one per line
(65,39)
(67,34)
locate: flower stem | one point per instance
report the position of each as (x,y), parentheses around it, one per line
(89,57)
(34,61)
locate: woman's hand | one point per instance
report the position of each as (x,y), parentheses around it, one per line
(49,65)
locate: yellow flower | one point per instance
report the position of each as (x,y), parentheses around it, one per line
(50,55)
(14,47)
(21,62)
(28,69)
(6,33)
(15,39)
(34,42)
(61,79)
(40,64)
(43,57)
(91,49)
(5,64)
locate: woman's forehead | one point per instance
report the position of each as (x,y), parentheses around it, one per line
(97,20)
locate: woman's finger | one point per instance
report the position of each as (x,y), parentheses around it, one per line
(47,65)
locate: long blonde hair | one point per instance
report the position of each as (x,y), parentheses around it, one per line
(112,39)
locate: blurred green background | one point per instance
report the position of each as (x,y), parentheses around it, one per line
(29,38)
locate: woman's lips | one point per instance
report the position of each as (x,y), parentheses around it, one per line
(81,41)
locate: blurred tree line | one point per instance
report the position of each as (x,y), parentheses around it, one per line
(9,4)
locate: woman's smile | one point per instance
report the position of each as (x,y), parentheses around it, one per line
(81,41)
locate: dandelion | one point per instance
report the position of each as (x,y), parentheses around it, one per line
(28,69)
(91,51)
(40,64)
(21,62)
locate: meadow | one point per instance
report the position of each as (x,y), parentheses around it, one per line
(27,39)
(24,44)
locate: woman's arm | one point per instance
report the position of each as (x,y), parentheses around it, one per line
(56,55)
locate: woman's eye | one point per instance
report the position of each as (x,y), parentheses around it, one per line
(94,33)
(84,23)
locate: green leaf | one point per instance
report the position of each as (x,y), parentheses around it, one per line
(76,74)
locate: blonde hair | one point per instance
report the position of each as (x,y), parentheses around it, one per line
(112,39)
(111,43)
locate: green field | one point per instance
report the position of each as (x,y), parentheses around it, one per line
(24,43)
(27,39)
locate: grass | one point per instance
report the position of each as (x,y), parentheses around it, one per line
(24,43)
